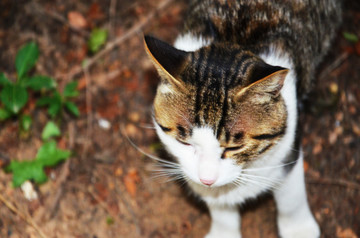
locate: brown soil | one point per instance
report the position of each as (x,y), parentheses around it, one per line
(107,188)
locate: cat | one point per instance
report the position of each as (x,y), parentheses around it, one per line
(227,105)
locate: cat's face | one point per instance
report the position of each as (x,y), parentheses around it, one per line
(217,109)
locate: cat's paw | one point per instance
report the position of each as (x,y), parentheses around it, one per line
(306,229)
(223,234)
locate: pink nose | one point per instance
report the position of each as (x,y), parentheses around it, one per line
(208,182)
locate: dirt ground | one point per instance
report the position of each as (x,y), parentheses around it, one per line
(107,188)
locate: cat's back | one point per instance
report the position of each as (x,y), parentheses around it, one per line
(301,29)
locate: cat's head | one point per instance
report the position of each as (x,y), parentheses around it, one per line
(216,109)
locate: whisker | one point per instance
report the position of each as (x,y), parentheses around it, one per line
(147,126)
(147,154)
(273,182)
(262,177)
(271,167)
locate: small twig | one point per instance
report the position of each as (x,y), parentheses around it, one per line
(112,13)
(37,7)
(65,172)
(88,105)
(117,41)
(329,69)
(336,182)
(22,216)
(103,205)
(128,207)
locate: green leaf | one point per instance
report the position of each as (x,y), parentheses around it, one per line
(109,220)
(70,89)
(26,58)
(26,170)
(97,39)
(3,80)
(50,130)
(54,102)
(25,122)
(350,37)
(4,114)
(72,108)
(39,82)
(50,155)
(14,97)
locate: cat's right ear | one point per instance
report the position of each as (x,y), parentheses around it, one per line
(167,60)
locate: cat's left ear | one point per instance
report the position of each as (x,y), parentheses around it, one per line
(167,59)
(267,87)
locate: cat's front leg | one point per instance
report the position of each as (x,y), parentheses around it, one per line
(225,222)
(294,216)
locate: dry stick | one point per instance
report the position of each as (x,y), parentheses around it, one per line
(88,107)
(128,207)
(22,216)
(334,65)
(117,41)
(112,13)
(65,172)
(103,204)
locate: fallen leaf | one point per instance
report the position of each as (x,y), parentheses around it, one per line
(101,191)
(130,186)
(134,116)
(131,130)
(94,12)
(81,83)
(306,166)
(130,180)
(333,137)
(119,171)
(317,149)
(356,129)
(345,233)
(352,109)
(76,19)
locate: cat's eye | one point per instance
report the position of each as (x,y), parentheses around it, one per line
(229,150)
(184,143)
(232,149)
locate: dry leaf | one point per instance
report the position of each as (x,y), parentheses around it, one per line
(130,180)
(76,19)
(333,137)
(306,166)
(345,233)
(356,129)
(118,172)
(317,149)
(94,12)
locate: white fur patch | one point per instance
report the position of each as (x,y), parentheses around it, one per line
(189,42)
(165,88)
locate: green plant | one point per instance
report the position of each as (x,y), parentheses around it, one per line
(57,102)
(14,95)
(97,39)
(48,155)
